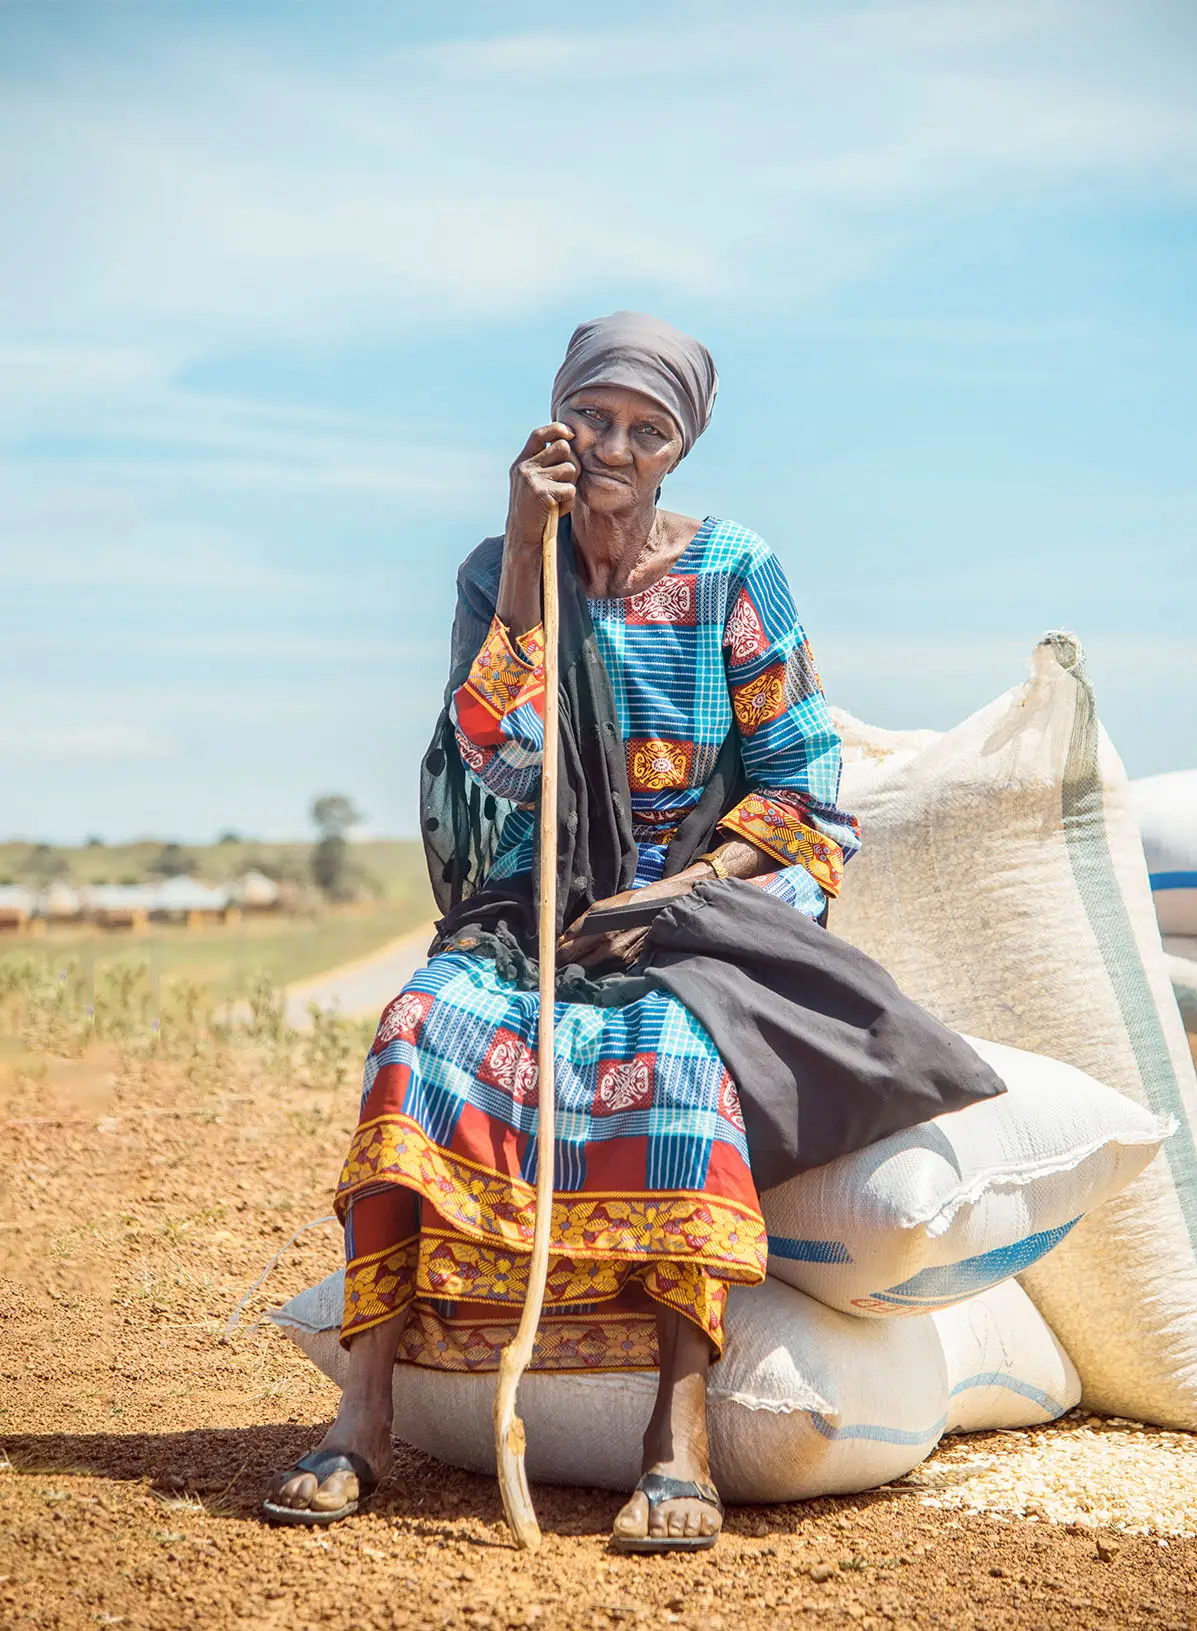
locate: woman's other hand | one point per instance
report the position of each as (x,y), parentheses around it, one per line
(622,946)
(737,858)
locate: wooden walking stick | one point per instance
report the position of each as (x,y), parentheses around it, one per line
(509,1429)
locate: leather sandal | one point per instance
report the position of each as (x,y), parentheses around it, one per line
(659,1489)
(322,1464)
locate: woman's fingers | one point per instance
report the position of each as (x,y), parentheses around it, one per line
(540,475)
(556,432)
(545,473)
(579,948)
(592,950)
(555,452)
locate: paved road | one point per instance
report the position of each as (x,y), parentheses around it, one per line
(364,988)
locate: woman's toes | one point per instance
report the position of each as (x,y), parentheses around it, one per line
(335,1493)
(297,1491)
(633,1517)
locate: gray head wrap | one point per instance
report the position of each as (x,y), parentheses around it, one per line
(640,352)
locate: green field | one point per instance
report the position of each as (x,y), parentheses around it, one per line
(396,865)
(228,960)
(286,946)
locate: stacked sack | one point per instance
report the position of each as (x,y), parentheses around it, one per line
(805,1401)
(1166,807)
(1001,881)
(1003,884)
(889,1316)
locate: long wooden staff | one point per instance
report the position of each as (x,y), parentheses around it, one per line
(509,1429)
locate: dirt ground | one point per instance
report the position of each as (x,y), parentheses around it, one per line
(136,1443)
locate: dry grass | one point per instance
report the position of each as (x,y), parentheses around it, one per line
(225,958)
(67,1013)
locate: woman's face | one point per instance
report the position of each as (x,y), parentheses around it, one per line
(625,443)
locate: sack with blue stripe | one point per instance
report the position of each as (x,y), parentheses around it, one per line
(1002,882)
(1166,807)
(951,1207)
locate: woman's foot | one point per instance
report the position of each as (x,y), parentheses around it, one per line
(362,1430)
(681,1517)
(367,1442)
(675,1447)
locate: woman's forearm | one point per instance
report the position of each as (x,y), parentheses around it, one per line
(741,859)
(519,603)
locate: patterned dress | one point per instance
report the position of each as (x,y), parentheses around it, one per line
(654,1197)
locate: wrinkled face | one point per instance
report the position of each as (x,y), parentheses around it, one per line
(626,444)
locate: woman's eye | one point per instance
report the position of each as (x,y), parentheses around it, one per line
(647,430)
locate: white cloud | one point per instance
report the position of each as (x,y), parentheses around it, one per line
(125,414)
(215,192)
(204,194)
(68,535)
(101,742)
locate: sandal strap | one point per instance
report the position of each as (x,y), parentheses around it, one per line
(323,1463)
(659,1489)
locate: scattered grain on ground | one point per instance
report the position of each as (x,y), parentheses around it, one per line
(1098,1475)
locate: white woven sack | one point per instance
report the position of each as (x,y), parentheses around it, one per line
(1002,883)
(804,1402)
(1005,1368)
(948,1208)
(1166,807)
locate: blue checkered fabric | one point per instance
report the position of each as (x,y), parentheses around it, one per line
(451,1068)
(687,659)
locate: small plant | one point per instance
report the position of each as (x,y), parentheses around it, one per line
(62,1012)
(331,1052)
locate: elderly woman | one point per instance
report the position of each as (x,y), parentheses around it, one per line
(697,749)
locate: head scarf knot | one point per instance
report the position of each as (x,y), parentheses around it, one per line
(643,354)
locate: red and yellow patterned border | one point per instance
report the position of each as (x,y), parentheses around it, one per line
(567,1342)
(776,829)
(488,1290)
(506,673)
(498,1211)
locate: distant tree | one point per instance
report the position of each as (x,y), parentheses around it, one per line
(333,816)
(93,842)
(171,861)
(44,864)
(230,837)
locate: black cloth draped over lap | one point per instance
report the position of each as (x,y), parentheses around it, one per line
(826,1052)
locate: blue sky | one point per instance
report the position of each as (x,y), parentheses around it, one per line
(283,287)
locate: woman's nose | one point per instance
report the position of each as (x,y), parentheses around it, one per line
(613,446)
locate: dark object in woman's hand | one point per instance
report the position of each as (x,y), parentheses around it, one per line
(590,944)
